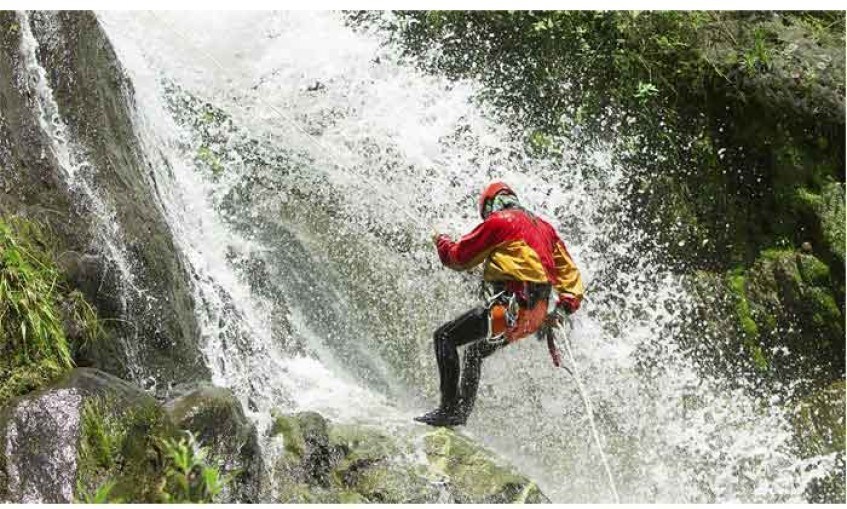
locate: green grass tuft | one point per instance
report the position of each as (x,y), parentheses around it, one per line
(33,347)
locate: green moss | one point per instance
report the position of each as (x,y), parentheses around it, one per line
(828,207)
(742,306)
(831,213)
(824,308)
(205,155)
(302,493)
(363,443)
(367,465)
(820,421)
(749,328)
(352,497)
(470,470)
(34,345)
(289,427)
(813,271)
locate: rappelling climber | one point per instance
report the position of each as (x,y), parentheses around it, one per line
(530,282)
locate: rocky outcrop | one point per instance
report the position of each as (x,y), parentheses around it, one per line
(71,160)
(44,453)
(332,463)
(215,417)
(91,432)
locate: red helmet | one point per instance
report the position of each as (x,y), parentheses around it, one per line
(488,194)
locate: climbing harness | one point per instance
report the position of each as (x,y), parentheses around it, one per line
(514,313)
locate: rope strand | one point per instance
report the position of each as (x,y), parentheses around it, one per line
(590,412)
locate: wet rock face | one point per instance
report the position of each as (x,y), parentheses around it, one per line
(324,462)
(820,428)
(793,306)
(780,318)
(39,436)
(40,458)
(155,330)
(215,417)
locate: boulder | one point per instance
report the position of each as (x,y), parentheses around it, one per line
(215,417)
(49,448)
(319,461)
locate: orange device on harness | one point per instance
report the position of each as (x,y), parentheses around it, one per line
(528,321)
(510,320)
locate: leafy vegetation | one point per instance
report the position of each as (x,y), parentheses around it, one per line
(188,478)
(116,449)
(103,495)
(745,107)
(135,455)
(36,308)
(730,126)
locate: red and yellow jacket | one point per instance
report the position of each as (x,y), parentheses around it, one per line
(516,246)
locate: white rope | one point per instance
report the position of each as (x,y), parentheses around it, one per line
(590,412)
(331,152)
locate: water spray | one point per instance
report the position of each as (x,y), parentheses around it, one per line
(589,411)
(336,158)
(333,154)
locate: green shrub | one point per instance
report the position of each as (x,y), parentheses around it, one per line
(187,475)
(133,455)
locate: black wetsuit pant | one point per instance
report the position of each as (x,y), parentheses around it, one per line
(470,327)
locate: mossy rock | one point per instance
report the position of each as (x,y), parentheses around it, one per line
(750,332)
(288,428)
(216,418)
(831,213)
(819,424)
(473,474)
(828,206)
(788,297)
(74,435)
(339,463)
(820,421)
(813,271)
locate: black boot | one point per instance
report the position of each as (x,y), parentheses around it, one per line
(444,416)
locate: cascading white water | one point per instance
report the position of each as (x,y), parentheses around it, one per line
(359,285)
(78,176)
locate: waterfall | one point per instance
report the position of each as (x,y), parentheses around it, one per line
(79,177)
(301,166)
